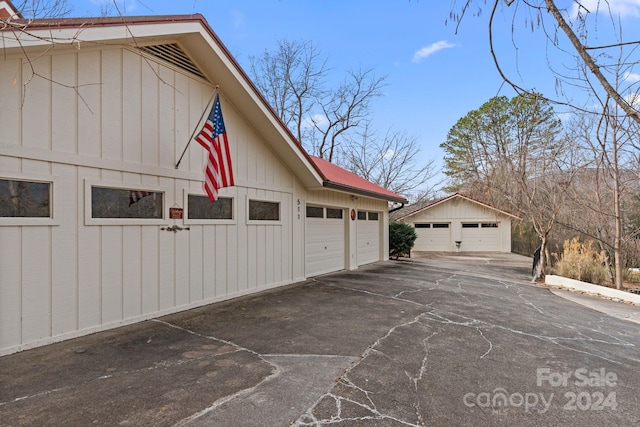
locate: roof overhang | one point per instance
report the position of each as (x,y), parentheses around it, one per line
(196,37)
(354,190)
(463,197)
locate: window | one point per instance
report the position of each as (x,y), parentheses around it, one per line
(422,225)
(362,216)
(25,199)
(440,225)
(264,211)
(126,203)
(315,212)
(200,207)
(489,225)
(470,225)
(334,213)
(373,216)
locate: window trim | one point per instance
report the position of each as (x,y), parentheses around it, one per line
(54,212)
(315,207)
(422,225)
(89,220)
(441,225)
(474,225)
(259,221)
(194,221)
(341,210)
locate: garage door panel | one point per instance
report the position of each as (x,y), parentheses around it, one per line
(483,237)
(368,241)
(430,238)
(324,245)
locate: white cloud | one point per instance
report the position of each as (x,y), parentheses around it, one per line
(239,19)
(634,100)
(315,120)
(622,8)
(631,77)
(431,49)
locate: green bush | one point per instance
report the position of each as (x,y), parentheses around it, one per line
(401,239)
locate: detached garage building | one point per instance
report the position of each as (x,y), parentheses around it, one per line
(459,223)
(98,228)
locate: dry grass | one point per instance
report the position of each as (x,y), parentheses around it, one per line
(581,261)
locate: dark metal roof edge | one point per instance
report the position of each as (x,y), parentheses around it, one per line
(355,190)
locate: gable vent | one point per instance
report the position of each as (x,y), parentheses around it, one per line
(173,54)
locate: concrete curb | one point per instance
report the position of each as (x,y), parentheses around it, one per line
(577,285)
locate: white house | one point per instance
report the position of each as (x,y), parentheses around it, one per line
(98,228)
(459,223)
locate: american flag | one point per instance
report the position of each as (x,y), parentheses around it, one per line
(135,196)
(213,137)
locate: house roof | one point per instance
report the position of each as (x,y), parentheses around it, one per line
(198,39)
(411,210)
(340,179)
(8,10)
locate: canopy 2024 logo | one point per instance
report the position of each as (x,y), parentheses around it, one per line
(590,391)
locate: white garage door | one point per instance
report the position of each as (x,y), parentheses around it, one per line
(433,237)
(368,237)
(325,240)
(480,237)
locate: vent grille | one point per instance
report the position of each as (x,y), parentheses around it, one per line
(173,54)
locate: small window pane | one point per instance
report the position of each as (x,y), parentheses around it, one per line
(264,211)
(121,203)
(470,225)
(334,213)
(25,199)
(423,225)
(440,225)
(373,216)
(200,207)
(490,225)
(315,212)
(362,215)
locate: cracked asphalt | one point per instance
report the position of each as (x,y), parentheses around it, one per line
(448,339)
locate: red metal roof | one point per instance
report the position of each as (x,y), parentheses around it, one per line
(338,178)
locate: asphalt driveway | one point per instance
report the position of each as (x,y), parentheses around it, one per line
(448,339)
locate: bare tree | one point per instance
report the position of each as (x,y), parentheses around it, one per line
(32,9)
(602,74)
(344,109)
(293,79)
(391,162)
(581,28)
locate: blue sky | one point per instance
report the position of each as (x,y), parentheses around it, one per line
(435,75)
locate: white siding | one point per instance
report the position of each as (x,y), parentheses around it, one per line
(126,125)
(457,211)
(71,278)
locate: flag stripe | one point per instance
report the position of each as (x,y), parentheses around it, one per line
(213,138)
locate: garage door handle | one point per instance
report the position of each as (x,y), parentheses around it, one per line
(325,248)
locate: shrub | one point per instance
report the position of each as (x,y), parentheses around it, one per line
(401,239)
(581,261)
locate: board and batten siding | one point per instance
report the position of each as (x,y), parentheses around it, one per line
(456,212)
(124,120)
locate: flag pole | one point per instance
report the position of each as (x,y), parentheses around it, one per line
(196,129)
